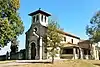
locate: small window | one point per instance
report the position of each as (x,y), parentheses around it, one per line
(65,39)
(34,19)
(71,40)
(42,18)
(35,29)
(45,18)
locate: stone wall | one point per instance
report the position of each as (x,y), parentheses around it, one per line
(2,57)
(14,56)
(18,56)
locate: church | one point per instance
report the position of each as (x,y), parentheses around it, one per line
(74,47)
(34,45)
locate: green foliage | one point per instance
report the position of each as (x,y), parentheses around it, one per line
(4,31)
(15,4)
(93,30)
(53,39)
(11,25)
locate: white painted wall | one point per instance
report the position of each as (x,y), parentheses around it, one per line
(69,38)
(44,23)
(95,51)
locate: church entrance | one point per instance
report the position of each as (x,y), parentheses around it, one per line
(33,51)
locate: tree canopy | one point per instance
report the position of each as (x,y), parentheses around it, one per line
(53,39)
(93,30)
(11,25)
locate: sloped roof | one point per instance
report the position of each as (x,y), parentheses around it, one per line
(39,11)
(69,45)
(85,44)
(68,34)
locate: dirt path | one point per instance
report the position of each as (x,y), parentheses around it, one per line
(60,63)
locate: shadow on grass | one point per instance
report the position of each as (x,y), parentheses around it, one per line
(97,64)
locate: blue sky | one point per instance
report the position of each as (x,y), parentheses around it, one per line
(72,15)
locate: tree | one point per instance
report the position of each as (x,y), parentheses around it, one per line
(11,25)
(53,39)
(93,30)
(14,45)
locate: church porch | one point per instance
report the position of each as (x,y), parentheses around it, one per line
(70,52)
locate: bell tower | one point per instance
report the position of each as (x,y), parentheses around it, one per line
(40,16)
(35,48)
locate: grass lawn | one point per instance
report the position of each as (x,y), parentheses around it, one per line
(3,62)
(64,63)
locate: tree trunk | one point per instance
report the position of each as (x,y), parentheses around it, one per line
(52,59)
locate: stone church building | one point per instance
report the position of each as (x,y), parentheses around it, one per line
(34,41)
(74,47)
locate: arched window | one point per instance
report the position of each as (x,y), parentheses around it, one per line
(45,18)
(64,39)
(71,40)
(33,18)
(35,29)
(37,18)
(42,18)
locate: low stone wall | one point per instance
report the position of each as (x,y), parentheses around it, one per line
(14,56)
(87,57)
(67,56)
(18,56)
(2,57)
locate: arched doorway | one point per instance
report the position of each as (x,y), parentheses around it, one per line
(33,50)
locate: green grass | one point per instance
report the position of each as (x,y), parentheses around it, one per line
(7,61)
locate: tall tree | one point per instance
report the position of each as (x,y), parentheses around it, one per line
(53,39)
(93,30)
(11,25)
(14,45)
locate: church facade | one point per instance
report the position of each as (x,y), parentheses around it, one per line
(35,50)
(34,36)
